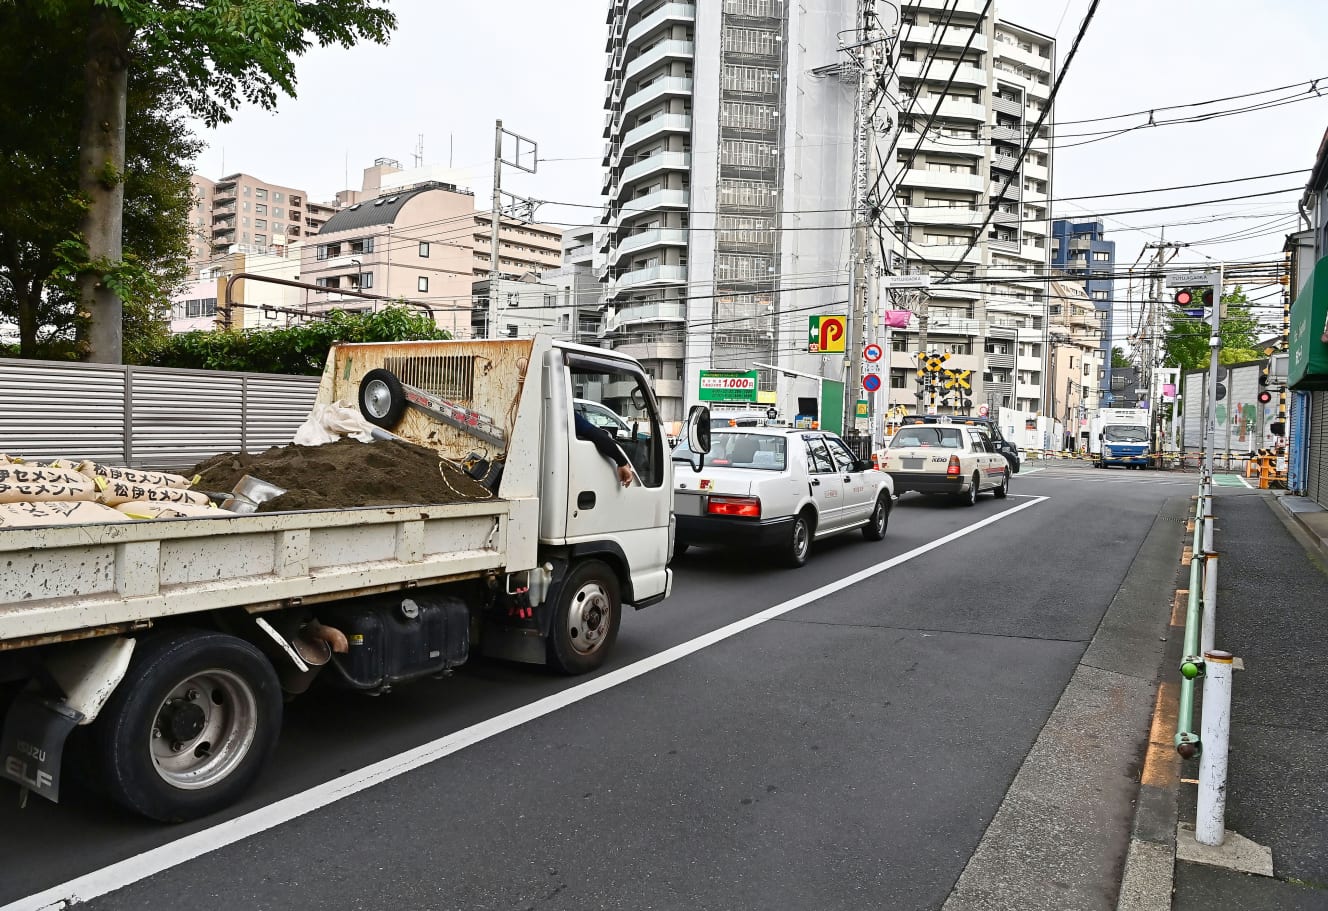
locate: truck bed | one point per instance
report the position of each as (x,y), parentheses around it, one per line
(68,582)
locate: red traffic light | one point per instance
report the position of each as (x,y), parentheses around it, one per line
(1207,297)
(1184,297)
(1265,397)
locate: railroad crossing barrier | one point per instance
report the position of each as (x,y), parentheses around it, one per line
(1202,661)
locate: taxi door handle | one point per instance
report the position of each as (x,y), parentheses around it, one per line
(816,482)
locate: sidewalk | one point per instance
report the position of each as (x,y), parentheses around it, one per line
(1273,615)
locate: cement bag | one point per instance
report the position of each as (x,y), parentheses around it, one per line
(134,475)
(21,515)
(328,423)
(113,493)
(146,509)
(30,484)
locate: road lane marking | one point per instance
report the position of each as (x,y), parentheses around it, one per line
(149,863)
(1245,482)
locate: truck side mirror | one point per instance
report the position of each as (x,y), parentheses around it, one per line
(697,434)
(1101,437)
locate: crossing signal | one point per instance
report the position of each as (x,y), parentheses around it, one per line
(1265,396)
(1188,297)
(1184,297)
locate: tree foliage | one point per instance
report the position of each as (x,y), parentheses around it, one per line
(295,349)
(1187,337)
(1118,358)
(219,54)
(40,92)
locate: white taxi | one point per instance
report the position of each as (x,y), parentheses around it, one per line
(955,459)
(778,489)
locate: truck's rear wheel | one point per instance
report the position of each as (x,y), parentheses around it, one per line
(586,623)
(189,728)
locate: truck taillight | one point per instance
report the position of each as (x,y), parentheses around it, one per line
(953,468)
(747,507)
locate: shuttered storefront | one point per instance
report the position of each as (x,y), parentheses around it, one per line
(1317,475)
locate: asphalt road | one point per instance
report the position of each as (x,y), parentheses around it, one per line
(848,753)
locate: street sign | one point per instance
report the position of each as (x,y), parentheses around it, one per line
(905,281)
(1186,279)
(727,386)
(872,353)
(1197,313)
(871,382)
(827,334)
(862,409)
(983,411)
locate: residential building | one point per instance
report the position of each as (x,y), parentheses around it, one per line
(579,246)
(960,158)
(727,179)
(1080,249)
(200,219)
(200,305)
(412,245)
(522,246)
(1076,362)
(253,212)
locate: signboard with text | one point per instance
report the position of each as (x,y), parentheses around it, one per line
(727,386)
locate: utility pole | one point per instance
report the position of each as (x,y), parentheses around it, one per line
(522,209)
(923,300)
(1214,346)
(860,298)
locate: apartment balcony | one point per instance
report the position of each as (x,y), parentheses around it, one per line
(658,126)
(668,49)
(955,109)
(610,150)
(1004,246)
(224,233)
(645,313)
(1004,218)
(1012,107)
(662,161)
(1037,254)
(1005,162)
(612,120)
(999,190)
(944,215)
(942,180)
(956,325)
(664,87)
(660,200)
(1015,54)
(613,62)
(946,145)
(647,240)
(653,351)
(954,37)
(651,276)
(972,7)
(1035,171)
(940,73)
(1007,134)
(667,15)
(950,253)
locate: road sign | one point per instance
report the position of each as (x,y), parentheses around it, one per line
(727,386)
(1186,279)
(905,281)
(872,353)
(863,409)
(983,411)
(1108,397)
(827,334)
(871,382)
(1197,313)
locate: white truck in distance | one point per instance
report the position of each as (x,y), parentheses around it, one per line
(175,641)
(1120,436)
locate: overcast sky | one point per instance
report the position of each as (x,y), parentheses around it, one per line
(453,67)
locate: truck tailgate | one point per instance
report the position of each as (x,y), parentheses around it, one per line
(60,582)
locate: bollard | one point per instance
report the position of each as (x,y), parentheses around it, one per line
(1210,821)
(1208,625)
(1208,528)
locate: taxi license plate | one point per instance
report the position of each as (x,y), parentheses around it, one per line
(689,505)
(913,464)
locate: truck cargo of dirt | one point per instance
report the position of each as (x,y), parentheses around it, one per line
(344,474)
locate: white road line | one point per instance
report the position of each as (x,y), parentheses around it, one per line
(1245,482)
(149,863)
(1031,470)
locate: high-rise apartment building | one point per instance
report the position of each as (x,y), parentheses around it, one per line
(960,156)
(1081,249)
(728,178)
(253,213)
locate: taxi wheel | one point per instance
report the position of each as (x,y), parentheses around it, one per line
(1003,491)
(799,543)
(970,497)
(874,530)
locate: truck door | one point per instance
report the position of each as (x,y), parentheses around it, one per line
(599,509)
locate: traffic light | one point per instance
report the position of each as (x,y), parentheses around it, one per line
(1189,297)
(1265,396)
(1184,298)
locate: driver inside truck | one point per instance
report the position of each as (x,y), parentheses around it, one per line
(606,445)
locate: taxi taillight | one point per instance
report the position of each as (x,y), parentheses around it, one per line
(746,507)
(953,468)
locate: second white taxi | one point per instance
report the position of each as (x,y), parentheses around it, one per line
(777,488)
(954,459)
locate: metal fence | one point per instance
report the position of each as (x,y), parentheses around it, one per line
(151,417)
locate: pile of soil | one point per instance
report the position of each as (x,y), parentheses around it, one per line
(344,474)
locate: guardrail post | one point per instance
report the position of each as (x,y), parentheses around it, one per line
(1208,522)
(1208,627)
(1210,821)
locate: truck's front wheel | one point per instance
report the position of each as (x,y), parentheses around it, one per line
(586,623)
(189,728)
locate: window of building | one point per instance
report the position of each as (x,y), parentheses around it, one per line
(1098,295)
(260,208)
(328,281)
(260,224)
(511,330)
(278,213)
(260,239)
(424,249)
(422,283)
(1101,256)
(245,205)
(745,153)
(366,279)
(364,245)
(199,307)
(246,189)
(260,193)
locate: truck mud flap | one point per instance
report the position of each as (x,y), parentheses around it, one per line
(33,742)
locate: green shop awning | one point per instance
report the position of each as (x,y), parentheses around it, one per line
(1307,366)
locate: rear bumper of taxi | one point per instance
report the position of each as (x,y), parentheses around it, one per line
(928,482)
(734,531)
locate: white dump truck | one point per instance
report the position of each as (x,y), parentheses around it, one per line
(170,645)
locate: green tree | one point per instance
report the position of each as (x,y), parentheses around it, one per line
(40,98)
(295,349)
(1118,358)
(221,53)
(1187,337)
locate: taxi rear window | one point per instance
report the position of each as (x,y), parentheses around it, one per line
(911,436)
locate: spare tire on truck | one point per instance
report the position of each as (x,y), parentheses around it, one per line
(190,726)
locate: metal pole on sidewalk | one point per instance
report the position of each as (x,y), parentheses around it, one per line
(1208,627)
(1207,523)
(1210,821)
(1214,344)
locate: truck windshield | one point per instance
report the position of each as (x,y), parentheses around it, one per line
(1125,433)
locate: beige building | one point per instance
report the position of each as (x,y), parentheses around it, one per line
(1075,337)
(200,304)
(242,210)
